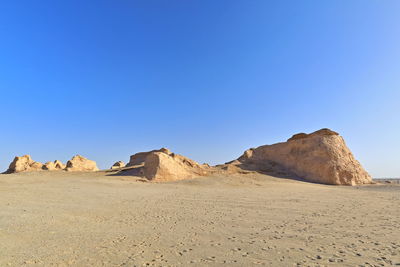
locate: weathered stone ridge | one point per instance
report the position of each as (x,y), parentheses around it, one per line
(54,166)
(162,165)
(80,163)
(26,164)
(322,132)
(321,157)
(139,158)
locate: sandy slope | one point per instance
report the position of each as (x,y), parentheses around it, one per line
(65,219)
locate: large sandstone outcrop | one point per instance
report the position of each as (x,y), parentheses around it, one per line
(24,164)
(162,165)
(79,163)
(139,158)
(320,157)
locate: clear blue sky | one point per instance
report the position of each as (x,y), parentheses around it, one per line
(207,79)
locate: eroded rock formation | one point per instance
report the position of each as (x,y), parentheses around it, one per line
(162,165)
(139,158)
(80,163)
(118,165)
(24,164)
(53,166)
(320,157)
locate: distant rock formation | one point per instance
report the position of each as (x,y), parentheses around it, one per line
(24,164)
(59,165)
(54,166)
(79,163)
(118,165)
(162,165)
(320,157)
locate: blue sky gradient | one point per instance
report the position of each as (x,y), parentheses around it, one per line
(207,79)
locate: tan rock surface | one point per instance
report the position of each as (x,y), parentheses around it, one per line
(139,158)
(321,157)
(59,165)
(53,166)
(118,165)
(162,165)
(79,163)
(49,166)
(23,164)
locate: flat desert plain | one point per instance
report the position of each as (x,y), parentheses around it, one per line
(97,219)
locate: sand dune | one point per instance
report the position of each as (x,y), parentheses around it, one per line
(96,219)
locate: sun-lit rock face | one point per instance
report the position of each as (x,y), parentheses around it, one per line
(24,164)
(118,165)
(79,163)
(320,157)
(139,158)
(322,132)
(53,166)
(162,165)
(59,165)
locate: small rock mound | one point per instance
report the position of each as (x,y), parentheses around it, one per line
(54,166)
(118,165)
(162,165)
(59,165)
(79,163)
(24,164)
(321,157)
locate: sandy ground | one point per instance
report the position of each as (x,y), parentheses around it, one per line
(64,219)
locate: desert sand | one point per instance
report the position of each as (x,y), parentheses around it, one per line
(101,219)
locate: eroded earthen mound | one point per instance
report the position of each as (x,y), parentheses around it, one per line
(321,157)
(24,164)
(54,166)
(79,163)
(139,158)
(162,165)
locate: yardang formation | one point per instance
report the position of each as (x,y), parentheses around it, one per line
(26,164)
(320,157)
